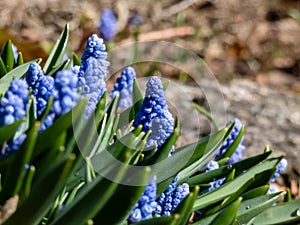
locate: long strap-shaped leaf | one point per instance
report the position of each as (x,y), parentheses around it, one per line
(57,52)
(233,186)
(16,170)
(120,205)
(92,198)
(284,213)
(44,192)
(164,220)
(7,55)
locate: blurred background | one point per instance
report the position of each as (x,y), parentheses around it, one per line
(252,47)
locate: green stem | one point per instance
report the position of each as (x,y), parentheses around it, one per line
(207,114)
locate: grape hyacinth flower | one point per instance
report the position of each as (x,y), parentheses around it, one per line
(13,107)
(65,94)
(213,165)
(171,198)
(33,77)
(93,71)
(145,207)
(154,114)
(42,86)
(14,103)
(45,90)
(92,84)
(238,154)
(108,24)
(123,87)
(95,48)
(282,165)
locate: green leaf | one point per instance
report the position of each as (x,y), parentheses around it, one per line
(7,55)
(207,114)
(137,97)
(7,132)
(94,195)
(203,151)
(15,73)
(223,171)
(26,188)
(63,123)
(228,215)
(108,131)
(252,207)
(43,193)
(123,201)
(256,192)
(17,170)
(20,60)
(234,186)
(284,213)
(59,67)
(58,51)
(164,220)
(3,70)
(75,60)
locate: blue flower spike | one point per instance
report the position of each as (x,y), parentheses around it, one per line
(13,106)
(154,114)
(108,24)
(171,198)
(123,87)
(66,92)
(146,206)
(42,87)
(238,153)
(93,72)
(14,103)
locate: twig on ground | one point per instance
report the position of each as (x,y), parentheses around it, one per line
(162,34)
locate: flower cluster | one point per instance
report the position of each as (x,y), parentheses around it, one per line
(14,104)
(42,86)
(108,24)
(238,154)
(154,114)
(93,72)
(123,87)
(171,198)
(95,48)
(65,96)
(145,207)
